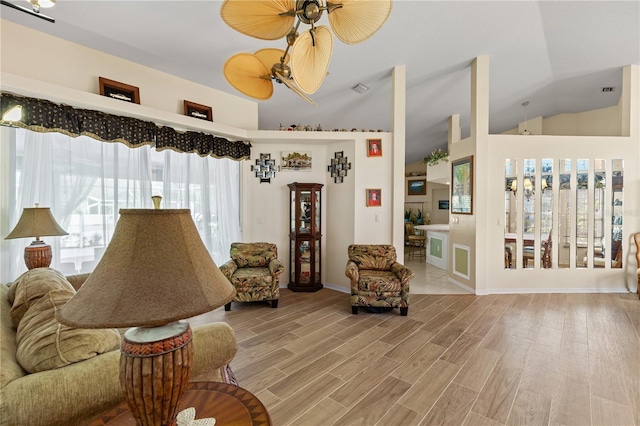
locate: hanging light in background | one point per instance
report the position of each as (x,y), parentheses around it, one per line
(525,131)
(45,4)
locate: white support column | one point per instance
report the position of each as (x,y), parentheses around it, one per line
(399,89)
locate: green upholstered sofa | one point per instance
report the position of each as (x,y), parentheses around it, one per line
(76,393)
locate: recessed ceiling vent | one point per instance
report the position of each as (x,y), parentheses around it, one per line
(360,88)
(608,89)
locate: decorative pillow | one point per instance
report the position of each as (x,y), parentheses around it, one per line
(42,342)
(31,286)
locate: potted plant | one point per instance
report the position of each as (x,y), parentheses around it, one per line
(419,217)
(435,157)
(407,215)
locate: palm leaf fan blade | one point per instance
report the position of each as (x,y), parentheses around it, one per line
(357,20)
(291,86)
(271,56)
(247,74)
(259,18)
(310,58)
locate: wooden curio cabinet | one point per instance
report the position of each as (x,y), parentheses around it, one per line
(304,237)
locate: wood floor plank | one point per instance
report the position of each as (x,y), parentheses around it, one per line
(475,419)
(304,399)
(359,385)
(420,361)
(326,412)
(460,350)
(539,375)
(607,413)
(409,346)
(449,334)
(475,372)
(362,361)
(399,415)
(497,395)
(299,379)
(426,390)
(569,402)
(452,407)
(375,404)
(529,409)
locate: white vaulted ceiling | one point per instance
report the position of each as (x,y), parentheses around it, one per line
(556,54)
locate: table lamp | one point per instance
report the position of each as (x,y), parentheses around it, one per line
(36,222)
(154,272)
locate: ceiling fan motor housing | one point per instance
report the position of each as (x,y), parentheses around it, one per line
(308,11)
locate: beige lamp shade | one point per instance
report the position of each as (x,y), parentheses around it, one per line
(36,222)
(259,18)
(156,270)
(247,73)
(310,58)
(357,20)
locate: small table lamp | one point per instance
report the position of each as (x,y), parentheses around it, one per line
(155,272)
(36,222)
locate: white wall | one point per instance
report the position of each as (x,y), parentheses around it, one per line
(345,217)
(41,57)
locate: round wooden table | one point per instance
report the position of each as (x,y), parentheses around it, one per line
(228,404)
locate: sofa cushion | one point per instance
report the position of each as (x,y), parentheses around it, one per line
(253,255)
(31,286)
(42,342)
(374,257)
(10,370)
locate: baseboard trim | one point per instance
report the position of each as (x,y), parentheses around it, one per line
(553,290)
(335,287)
(462,286)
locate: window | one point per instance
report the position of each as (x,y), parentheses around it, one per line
(86,182)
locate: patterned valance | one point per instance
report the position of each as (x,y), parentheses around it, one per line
(40,115)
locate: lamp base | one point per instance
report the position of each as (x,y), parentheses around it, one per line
(37,255)
(155,366)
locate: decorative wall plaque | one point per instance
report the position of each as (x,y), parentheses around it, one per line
(265,168)
(195,110)
(116,90)
(338,167)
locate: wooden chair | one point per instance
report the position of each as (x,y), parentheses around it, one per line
(528,252)
(418,242)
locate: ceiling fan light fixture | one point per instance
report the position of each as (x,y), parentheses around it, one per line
(360,88)
(265,20)
(358,20)
(45,4)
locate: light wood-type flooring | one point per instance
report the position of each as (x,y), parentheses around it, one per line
(531,359)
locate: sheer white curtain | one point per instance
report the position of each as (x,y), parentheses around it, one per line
(210,188)
(86,182)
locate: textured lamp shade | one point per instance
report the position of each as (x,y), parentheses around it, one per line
(156,270)
(36,222)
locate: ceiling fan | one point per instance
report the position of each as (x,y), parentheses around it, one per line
(304,70)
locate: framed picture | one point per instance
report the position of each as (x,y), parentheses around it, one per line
(443,204)
(462,186)
(116,90)
(293,161)
(195,110)
(374,197)
(417,187)
(374,147)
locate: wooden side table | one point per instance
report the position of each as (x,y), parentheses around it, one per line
(228,404)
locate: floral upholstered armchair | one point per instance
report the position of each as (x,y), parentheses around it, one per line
(254,270)
(377,279)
